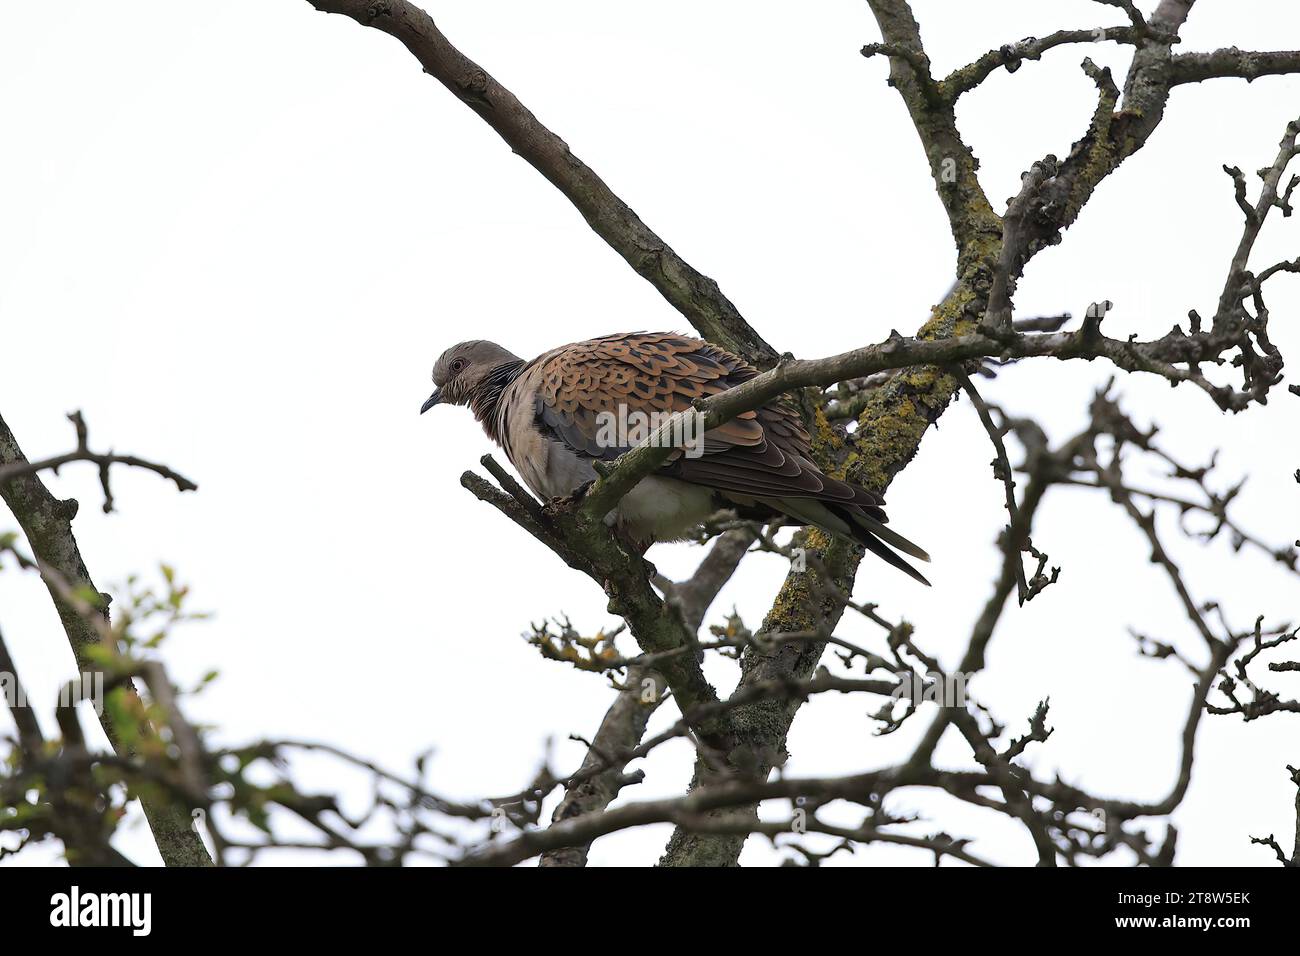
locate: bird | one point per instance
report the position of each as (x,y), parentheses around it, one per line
(556,415)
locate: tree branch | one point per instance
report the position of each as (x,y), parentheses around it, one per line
(1231,62)
(603,771)
(47,524)
(1011,55)
(104,460)
(692,293)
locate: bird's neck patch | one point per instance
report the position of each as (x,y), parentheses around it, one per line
(487,397)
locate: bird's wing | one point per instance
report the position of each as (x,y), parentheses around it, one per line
(585,388)
(762,456)
(761,453)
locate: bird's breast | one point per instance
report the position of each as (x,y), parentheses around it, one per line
(657,509)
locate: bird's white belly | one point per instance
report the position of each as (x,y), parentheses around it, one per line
(664,509)
(657,509)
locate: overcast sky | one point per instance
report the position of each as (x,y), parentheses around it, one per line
(237,235)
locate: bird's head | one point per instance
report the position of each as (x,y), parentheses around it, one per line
(464,370)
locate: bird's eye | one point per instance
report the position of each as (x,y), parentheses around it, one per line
(457,365)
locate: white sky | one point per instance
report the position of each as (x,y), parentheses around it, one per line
(237,236)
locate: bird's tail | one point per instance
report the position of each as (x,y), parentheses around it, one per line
(852,521)
(877,538)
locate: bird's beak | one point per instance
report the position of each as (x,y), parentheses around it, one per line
(432,400)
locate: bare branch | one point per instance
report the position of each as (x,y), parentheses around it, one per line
(645,688)
(585,543)
(1015,241)
(692,293)
(30,737)
(952,164)
(47,523)
(1012,55)
(104,460)
(1231,62)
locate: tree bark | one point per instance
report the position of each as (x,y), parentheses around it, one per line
(47,523)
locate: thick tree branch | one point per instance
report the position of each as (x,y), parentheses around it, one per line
(952,164)
(1231,62)
(896,416)
(586,544)
(692,293)
(1012,55)
(603,771)
(892,418)
(47,524)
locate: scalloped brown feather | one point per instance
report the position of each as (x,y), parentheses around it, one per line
(762,454)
